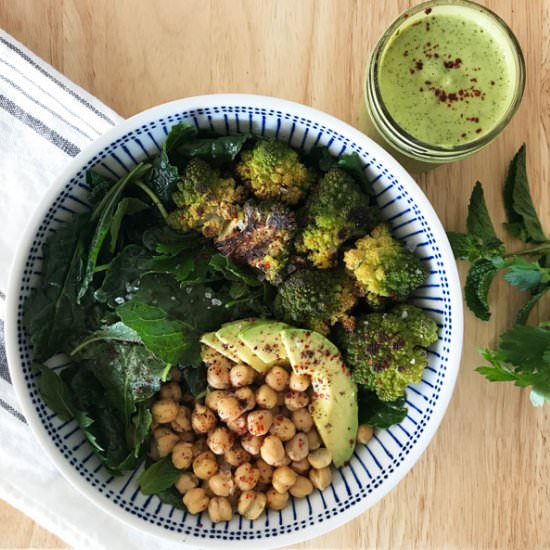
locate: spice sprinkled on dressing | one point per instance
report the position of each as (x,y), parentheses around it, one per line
(445,79)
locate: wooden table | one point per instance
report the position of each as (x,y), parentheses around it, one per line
(484,480)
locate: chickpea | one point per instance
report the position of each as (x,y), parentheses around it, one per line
(214,358)
(171,390)
(252,443)
(320,478)
(277,378)
(281,400)
(251,504)
(205,465)
(238,425)
(295,400)
(229,408)
(283,428)
(165,440)
(266,398)
(204,485)
(285,461)
(186,482)
(302,487)
(299,382)
(242,375)
(164,411)
(221,484)
(182,422)
(298,447)
(202,419)
(246,477)
(212,398)
(364,433)
(199,446)
(236,456)
(196,500)
(313,439)
(302,420)
(321,458)
(272,450)
(301,466)
(276,500)
(217,377)
(283,479)
(259,422)
(182,455)
(220,440)
(265,471)
(246,398)
(219,509)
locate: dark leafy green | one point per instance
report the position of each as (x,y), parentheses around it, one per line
(127,206)
(195,379)
(233,272)
(218,149)
(117,331)
(158,477)
(523,314)
(55,392)
(377,413)
(477,285)
(172,497)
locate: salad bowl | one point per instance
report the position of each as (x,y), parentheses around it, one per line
(376,467)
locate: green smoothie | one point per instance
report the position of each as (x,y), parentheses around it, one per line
(447,76)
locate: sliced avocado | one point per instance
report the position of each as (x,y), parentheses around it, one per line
(334,405)
(264,339)
(210,339)
(229,336)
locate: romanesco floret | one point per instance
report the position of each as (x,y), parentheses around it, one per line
(383,267)
(386,351)
(336,211)
(261,236)
(272,170)
(317,299)
(205,201)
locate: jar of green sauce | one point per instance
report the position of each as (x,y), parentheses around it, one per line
(443,81)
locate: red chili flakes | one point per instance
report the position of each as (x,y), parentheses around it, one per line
(427,11)
(473,119)
(406,53)
(453,64)
(419,65)
(478,130)
(492,82)
(473,79)
(463,135)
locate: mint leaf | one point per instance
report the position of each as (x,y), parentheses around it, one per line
(477,285)
(159,476)
(478,221)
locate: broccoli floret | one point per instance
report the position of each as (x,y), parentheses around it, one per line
(317,299)
(261,237)
(336,211)
(386,351)
(272,170)
(383,267)
(205,200)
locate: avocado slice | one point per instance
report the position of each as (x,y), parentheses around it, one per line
(229,336)
(334,406)
(210,339)
(264,339)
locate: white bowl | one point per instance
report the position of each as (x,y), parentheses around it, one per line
(376,467)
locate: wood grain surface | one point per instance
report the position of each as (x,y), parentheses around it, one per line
(484,480)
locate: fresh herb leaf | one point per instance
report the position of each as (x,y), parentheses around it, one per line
(528,276)
(377,413)
(218,149)
(99,185)
(477,285)
(161,475)
(164,178)
(141,424)
(233,272)
(166,241)
(478,221)
(354,166)
(172,497)
(523,314)
(127,206)
(55,393)
(117,331)
(178,134)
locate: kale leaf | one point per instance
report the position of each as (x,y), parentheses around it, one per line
(377,413)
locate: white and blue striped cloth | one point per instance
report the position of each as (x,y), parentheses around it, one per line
(45,120)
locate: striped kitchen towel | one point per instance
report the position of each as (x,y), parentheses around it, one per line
(45,120)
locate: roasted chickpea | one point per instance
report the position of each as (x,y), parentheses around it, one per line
(165,440)
(246,476)
(299,382)
(199,446)
(171,390)
(182,422)
(283,428)
(295,400)
(205,465)
(251,504)
(242,375)
(320,478)
(298,447)
(276,500)
(238,425)
(221,484)
(302,487)
(364,433)
(272,450)
(301,466)
(202,418)
(283,479)
(212,398)
(266,397)
(236,455)
(217,377)
(277,378)
(252,443)
(164,411)
(214,358)
(246,399)
(219,509)
(281,401)
(259,422)
(220,440)
(302,420)
(196,500)
(204,485)
(320,458)
(229,408)
(182,455)
(313,439)
(265,471)
(186,482)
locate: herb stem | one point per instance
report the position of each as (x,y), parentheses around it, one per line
(542,249)
(103,267)
(154,198)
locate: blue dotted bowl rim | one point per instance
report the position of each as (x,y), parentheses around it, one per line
(288,112)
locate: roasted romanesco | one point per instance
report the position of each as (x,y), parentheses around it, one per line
(316,299)
(336,211)
(386,351)
(272,170)
(383,267)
